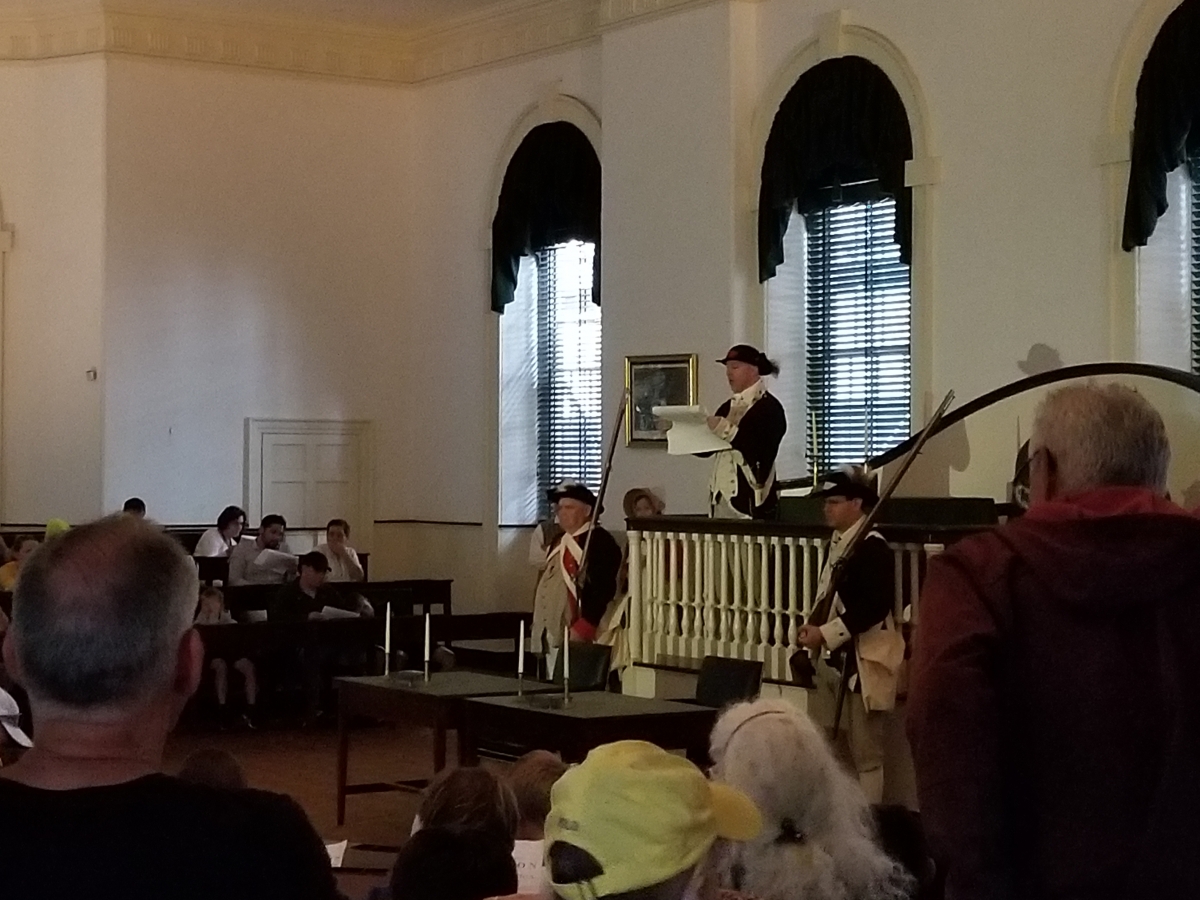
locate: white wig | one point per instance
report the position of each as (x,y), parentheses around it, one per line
(817,842)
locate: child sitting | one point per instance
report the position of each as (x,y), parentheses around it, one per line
(212,612)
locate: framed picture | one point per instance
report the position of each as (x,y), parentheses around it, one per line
(668,380)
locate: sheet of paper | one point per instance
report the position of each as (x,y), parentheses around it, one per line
(333,612)
(275,560)
(689,431)
(337,852)
(529,856)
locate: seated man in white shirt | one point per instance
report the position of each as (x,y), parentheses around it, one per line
(344,564)
(244,564)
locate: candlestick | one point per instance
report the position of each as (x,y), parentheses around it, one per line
(521,649)
(387,638)
(427,646)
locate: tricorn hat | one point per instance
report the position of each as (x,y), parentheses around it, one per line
(744,353)
(851,482)
(572,490)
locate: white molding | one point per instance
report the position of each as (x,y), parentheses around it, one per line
(256,429)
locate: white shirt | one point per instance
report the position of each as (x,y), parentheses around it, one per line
(213,543)
(342,569)
(724,478)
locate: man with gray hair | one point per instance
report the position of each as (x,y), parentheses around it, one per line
(101,640)
(1053,708)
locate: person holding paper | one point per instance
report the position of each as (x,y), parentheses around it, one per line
(558,602)
(264,560)
(753,422)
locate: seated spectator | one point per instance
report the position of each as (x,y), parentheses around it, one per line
(309,594)
(248,564)
(635,821)
(469,798)
(10,721)
(817,841)
(136,507)
(56,527)
(530,779)
(102,641)
(446,865)
(221,540)
(642,503)
(9,571)
(215,768)
(212,612)
(343,560)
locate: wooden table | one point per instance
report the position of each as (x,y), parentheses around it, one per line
(400,698)
(591,719)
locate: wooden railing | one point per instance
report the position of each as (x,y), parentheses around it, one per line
(742,589)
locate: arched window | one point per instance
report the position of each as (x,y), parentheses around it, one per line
(545,283)
(835,242)
(1162,205)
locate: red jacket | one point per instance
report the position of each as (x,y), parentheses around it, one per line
(1053,708)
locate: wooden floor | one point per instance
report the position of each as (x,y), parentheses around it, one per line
(302,765)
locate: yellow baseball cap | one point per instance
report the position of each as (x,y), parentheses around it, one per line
(646,815)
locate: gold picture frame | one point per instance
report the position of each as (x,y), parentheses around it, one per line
(669,379)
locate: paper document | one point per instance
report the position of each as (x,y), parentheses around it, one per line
(275,560)
(531,878)
(689,431)
(333,612)
(337,852)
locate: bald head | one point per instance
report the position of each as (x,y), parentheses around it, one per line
(1100,435)
(98,615)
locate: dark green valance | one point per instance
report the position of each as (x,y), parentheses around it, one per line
(550,195)
(842,124)
(1166,126)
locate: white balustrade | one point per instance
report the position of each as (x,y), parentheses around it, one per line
(736,594)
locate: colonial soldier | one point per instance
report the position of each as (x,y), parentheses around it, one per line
(752,421)
(856,632)
(559,603)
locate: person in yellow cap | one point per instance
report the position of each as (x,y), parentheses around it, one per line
(634,821)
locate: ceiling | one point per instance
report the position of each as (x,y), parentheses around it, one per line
(406,14)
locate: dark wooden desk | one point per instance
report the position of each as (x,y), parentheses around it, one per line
(592,719)
(436,702)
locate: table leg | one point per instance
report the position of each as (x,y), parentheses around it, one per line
(439,742)
(342,754)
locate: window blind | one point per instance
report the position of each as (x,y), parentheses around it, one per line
(569,424)
(1194,234)
(859,331)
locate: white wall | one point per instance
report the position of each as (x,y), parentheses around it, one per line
(52,196)
(296,247)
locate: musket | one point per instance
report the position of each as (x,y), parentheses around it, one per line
(801,663)
(605,472)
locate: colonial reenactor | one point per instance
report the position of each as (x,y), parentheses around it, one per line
(753,422)
(856,632)
(561,601)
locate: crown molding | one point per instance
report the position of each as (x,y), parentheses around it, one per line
(501,33)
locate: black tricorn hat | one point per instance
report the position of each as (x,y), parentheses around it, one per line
(572,490)
(752,356)
(851,482)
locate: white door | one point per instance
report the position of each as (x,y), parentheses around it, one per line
(310,472)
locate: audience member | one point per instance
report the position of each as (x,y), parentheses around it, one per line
(8,572)
(634,821)
(220,540)
(101,639)
(306,596)
(10,721)
(250,564)
(530,779)
(136,507)
(343,560)
(1052,709)
(436,864)
(817,841)
(642,503)
(215,768)
(56,527)
(212,612)
(469,798)
(903,839)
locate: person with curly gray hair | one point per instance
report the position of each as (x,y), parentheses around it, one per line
(817,841)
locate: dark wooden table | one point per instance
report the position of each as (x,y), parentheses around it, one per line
(591,719)
(399,698)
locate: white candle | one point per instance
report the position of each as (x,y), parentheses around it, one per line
(566,656)
(521,648)
(387,632)
(427,638)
